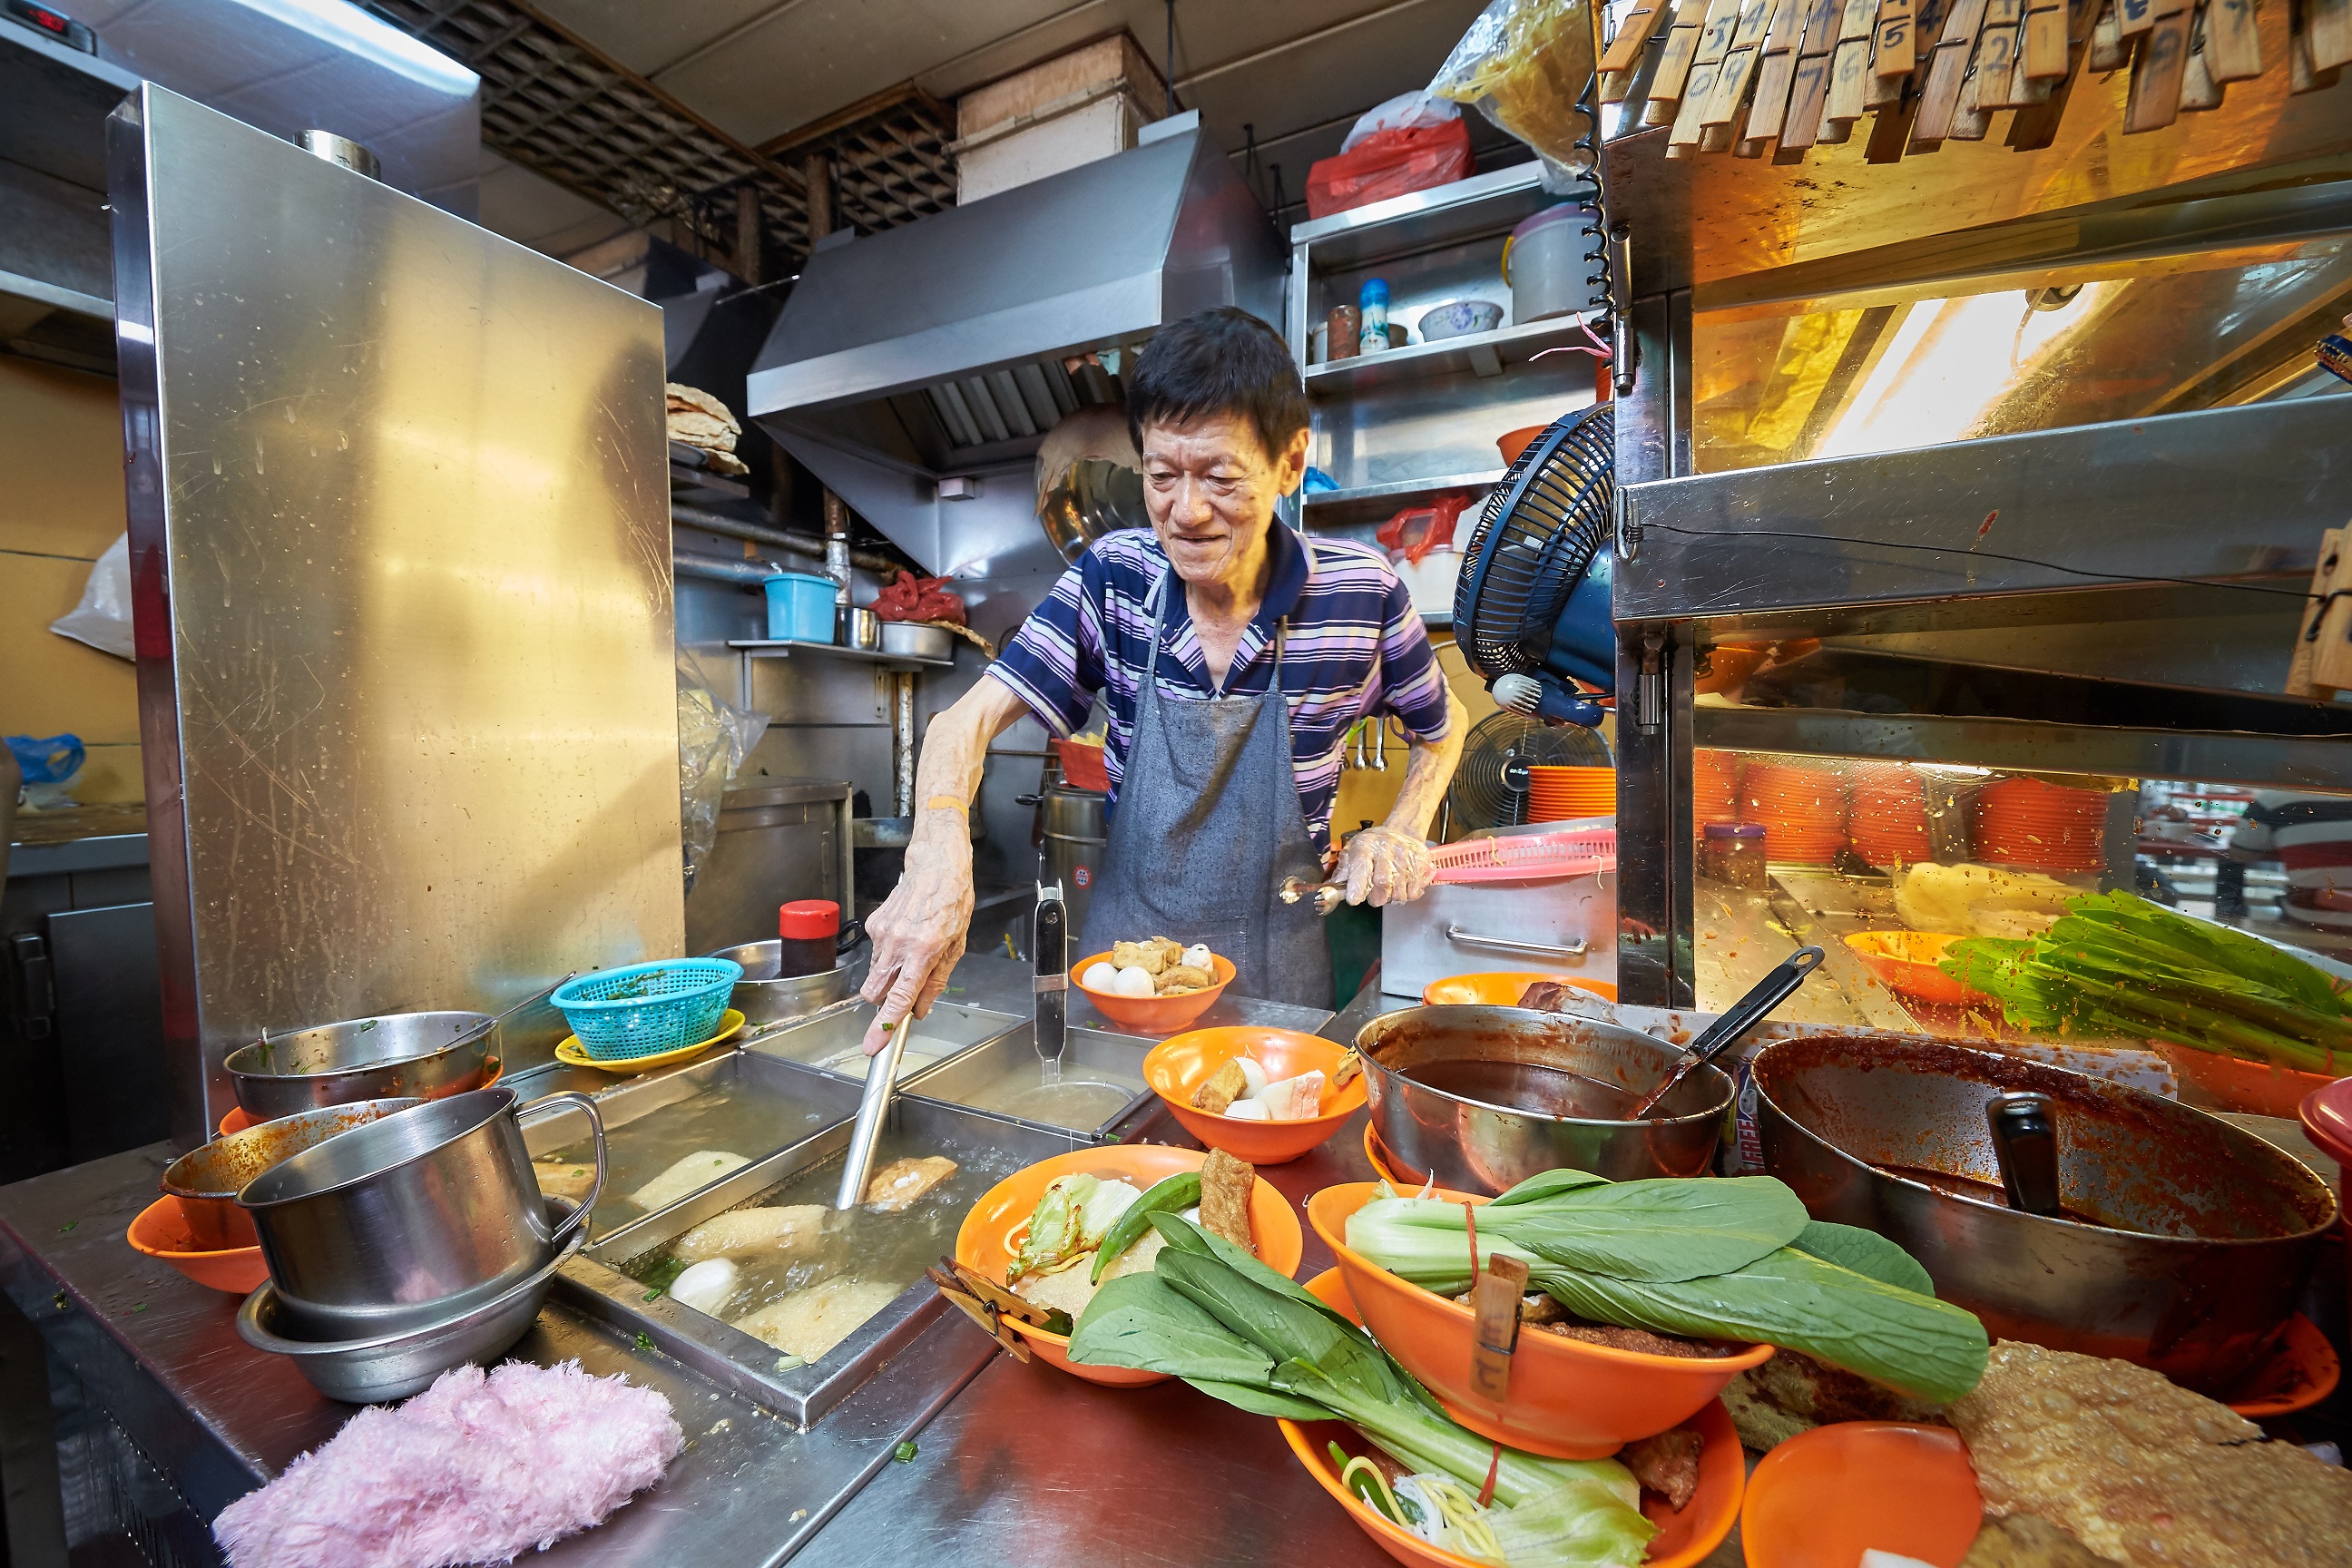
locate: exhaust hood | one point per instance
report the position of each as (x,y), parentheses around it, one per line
(952,344)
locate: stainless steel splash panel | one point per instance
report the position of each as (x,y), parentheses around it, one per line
(400,546)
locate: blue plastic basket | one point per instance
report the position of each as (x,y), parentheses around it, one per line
(642,1009)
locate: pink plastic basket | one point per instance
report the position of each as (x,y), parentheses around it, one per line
(1579,852)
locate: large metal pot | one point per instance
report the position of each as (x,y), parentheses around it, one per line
(413,1217)
(2206,1235)
(763,998)
(1483,1097)
(206,1179)
(1072,831)
(427,1055)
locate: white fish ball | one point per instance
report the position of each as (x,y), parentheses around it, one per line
(1134,981)
(1100,976)
(706,1286)
(1199,956)
(1248,1110)
(1254,1074)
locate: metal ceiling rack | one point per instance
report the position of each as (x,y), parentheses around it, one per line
(562,107)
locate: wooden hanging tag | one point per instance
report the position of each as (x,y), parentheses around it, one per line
(1996,59)
(1850,67)
(1633,34)
(1674,66)
(1495,1305)
(2301,75)
(2158,69)
(2134,17)
(2198,91)
(2045,39)
(2107,52)
(1714,44)
(1776,72)
(1808,94)
(2328,26)
(1737,74)
(1948,68)
(1898,44)
(2307,672)
(2233,45)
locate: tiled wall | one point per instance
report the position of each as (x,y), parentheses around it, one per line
(60,507)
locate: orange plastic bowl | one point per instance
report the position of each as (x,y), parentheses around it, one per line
(1568,1399)
(1175,1067)
(1906,960)
(990,1234)
(162,1231)
(2233,1083)
(1153,1014)
(1823,1498)
(1502,988)
(1683,1540)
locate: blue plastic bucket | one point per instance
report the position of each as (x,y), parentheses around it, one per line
(800,607)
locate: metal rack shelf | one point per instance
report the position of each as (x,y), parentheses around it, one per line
(1482,354)
(1378,503)
(767,648)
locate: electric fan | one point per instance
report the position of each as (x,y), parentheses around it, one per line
(1490,782)
(1531,607)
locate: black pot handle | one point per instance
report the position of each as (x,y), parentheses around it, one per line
(852,932)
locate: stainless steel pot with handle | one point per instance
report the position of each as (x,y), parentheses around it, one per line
(2183,1244)
(1483,1097)
(408,1219)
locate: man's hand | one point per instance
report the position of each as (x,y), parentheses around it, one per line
(919,935)
(1386,865)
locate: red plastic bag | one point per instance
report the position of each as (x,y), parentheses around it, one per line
(1440,516)
(1389,164)
(913,599)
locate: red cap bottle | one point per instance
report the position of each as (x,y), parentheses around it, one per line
(809,929)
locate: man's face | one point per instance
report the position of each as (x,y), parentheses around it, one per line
(1210,487)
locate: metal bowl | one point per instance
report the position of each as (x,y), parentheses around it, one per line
(395,1365)
(914,640)
(763,998)
(1482,1097)
(2206,1236)
(405,1220)
(397,1054)
(206,1179)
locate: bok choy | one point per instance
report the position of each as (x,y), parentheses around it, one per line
(1235,1330)
(1735,1259)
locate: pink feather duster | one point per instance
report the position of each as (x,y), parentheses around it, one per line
(475,1469)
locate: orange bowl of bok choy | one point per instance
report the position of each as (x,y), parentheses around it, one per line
(1054,1258)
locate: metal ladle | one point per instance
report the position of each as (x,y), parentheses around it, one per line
(1734,1025)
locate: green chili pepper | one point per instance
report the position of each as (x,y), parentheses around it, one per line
(1172,1195)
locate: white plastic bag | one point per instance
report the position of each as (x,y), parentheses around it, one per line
(102,619)
(1412,110)
(714,737)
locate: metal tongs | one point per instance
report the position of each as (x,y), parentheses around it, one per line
(1327,896)
(1738,1020)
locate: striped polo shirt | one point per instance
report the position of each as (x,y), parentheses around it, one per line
(1353,647)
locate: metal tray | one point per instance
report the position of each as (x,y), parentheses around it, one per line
(648,1122)
(988,1078)
(594,1281)
(834,1034)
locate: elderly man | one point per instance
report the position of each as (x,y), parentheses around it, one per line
(1219,787)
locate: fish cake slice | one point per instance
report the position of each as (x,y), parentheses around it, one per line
(895,1187)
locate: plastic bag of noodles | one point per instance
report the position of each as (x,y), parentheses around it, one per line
(1525,64)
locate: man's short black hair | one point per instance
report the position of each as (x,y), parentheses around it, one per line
(1219,362)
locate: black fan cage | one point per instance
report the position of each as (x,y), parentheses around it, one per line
(1547,520)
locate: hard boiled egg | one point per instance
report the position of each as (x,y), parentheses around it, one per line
(1133,981)
(706,1286)
(1199,956)
(1100,976)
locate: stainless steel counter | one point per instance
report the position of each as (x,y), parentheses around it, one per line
(1022,1462)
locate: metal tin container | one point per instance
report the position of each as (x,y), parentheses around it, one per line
(2206,1236)
(208,1179)
(406,1220)
(1100,1088)
(427,1055)
(913,639)
(1479,1098)
(1073,831)
(831,1041)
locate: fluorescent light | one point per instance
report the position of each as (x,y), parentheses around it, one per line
(353,31)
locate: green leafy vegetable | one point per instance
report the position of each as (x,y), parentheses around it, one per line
(2115,964)
(1579,1524)
(1215,1316)
(905,1453)
(1172,1194)
(1744,1264)
(1076,1213)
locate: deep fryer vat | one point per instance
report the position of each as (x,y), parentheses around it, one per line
(2224,1229)
(836,1034)
(651,1122)
(596,1279)
(1102,1078)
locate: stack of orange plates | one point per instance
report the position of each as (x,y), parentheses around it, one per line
(1563,794)
(2024,822)
(1890,815)
(1802,809)
(1714,788)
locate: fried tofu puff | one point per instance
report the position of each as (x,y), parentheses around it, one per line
(1144,955)
(1176,982)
